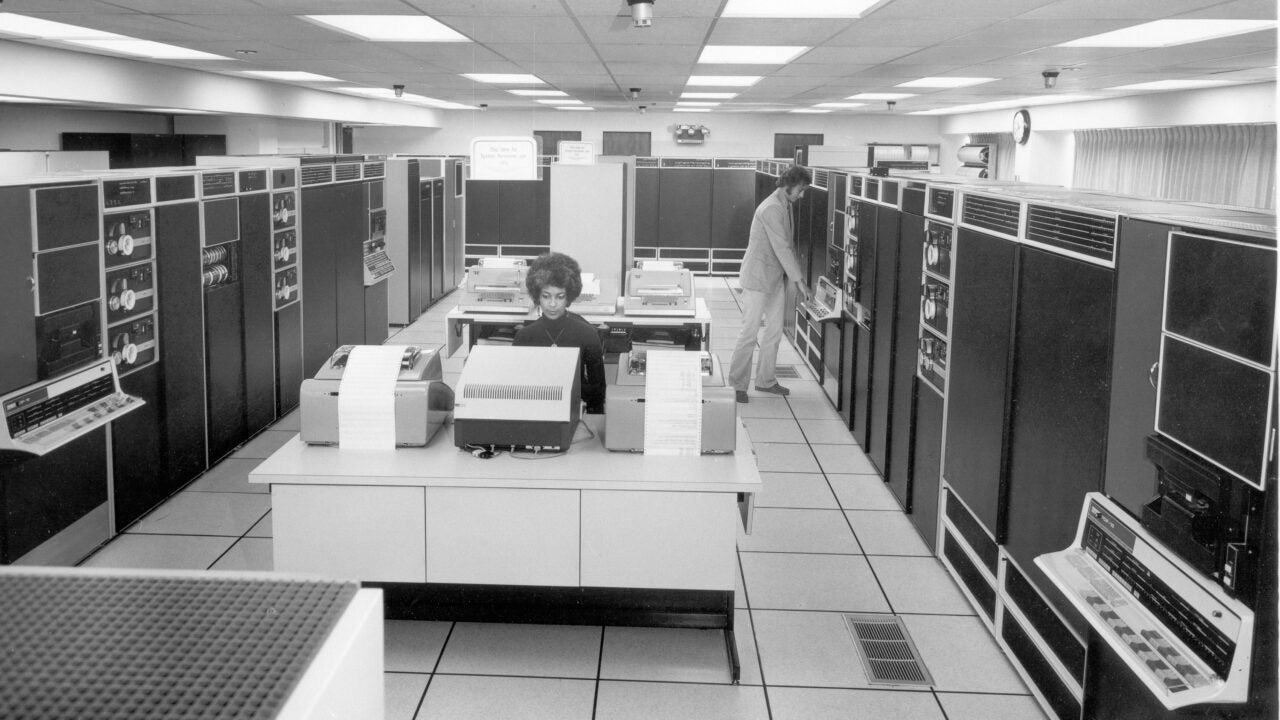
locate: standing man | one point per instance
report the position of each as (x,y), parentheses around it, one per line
(769,264)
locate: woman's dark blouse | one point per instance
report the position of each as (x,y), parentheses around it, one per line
(572,331)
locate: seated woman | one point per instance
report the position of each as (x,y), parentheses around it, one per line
(554,281)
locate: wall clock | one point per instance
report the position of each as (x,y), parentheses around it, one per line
(1021,127)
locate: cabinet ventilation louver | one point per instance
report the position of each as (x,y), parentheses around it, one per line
(316,174)
(821,178)
(855,186)
(375,169)
(498,391)
(1082,233)
(346,171)
(994,214)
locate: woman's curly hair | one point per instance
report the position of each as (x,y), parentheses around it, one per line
(554,270)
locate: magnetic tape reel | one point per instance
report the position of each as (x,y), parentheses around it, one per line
(123,350)
(119,241)
(122,297)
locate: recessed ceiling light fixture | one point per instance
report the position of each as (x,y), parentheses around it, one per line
(839,105)
(1173,85)
(751,54)
(708,95)
(539,93)
(505,78)
(691,109)
(724,80)
(560,101)
(945,82)
(143,48)
(390,28)
(1164,33)
(573,107)
(809,111)
(290,75)
(799,8)
(880,96)
(696,103)
(1001,104)
(13,24)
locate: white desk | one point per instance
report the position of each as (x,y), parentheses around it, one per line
(596,536)
(698,325)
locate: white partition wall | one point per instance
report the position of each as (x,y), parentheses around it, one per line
(588,217)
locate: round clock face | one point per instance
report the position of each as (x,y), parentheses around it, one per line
(1021,126)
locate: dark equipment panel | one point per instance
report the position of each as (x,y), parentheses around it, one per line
(883,334)
(1130,479)
(41,496)
(421,261)
(902,358)
(67,276)
(439,256)
(178,270)
(981,342)
(1061,392)
(482,212)
(137,450)
(224,354)
(926,463)
(375,314)
(351,229)
(259,336)
(66,216)
(684,207)
(732,193)
(289,377)
(18,352)
(866,296)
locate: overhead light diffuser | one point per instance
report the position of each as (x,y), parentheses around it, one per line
(539,93)
(390,28)
(880,96)
(292,75)
(839,105)
(696,103)
(809,111)
(13,24)
(751,54)
(33,101)
(505,78)
(1003,104)
(724,80)
(708,95)
(573,107)
(691,109)
(143,48)
(1173,85)
(946,82)
(1165,33)
(560,101)
(798,8)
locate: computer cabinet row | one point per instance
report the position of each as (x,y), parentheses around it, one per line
(1007,350)
(211,293)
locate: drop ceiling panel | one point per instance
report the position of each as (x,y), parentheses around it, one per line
(543,52)
(753,31)
(663,9)
(875,31)
(841,56)
(669,31)
(515,29)
(1237,10)
(1034,34)
(997,9)
(1135,10)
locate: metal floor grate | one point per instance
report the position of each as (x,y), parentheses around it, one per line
(888,654)
(786,371)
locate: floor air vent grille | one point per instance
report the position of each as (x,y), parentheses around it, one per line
(888,655)
(786,371)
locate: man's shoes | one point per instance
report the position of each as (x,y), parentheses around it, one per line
(775,389)
(741,396)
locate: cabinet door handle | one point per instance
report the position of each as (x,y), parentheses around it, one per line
(1153,373)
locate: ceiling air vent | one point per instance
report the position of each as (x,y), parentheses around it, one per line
(316,174)
(1079,233)
(346,171)
(995,214)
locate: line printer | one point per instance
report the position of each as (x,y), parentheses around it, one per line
(624,406)
(422,400)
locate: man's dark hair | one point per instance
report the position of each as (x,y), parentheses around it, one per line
(554,270)
(793,176)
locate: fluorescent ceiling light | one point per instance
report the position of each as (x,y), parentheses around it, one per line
(680,109)
(539,93)
(390,28)
(809,111)
(390,94)
(1003,104)
(839,105)
(880,96)
(33,101)
(12,24)
(294,75)
(686,103)
(751,54)
(708,95)
(573,107)
(798,8)
(725,80)
(1172,85)
(946,82)
(176,111)
(504,78)
(144,48)
(560,101)
(1164,33)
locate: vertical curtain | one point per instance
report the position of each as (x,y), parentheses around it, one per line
(1219,164)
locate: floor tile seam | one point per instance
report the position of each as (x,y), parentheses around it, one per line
(653,681)
(874,688)
(244,535)
(223,492)
(435,668)
(792,552)
(578,678)
(208,535)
